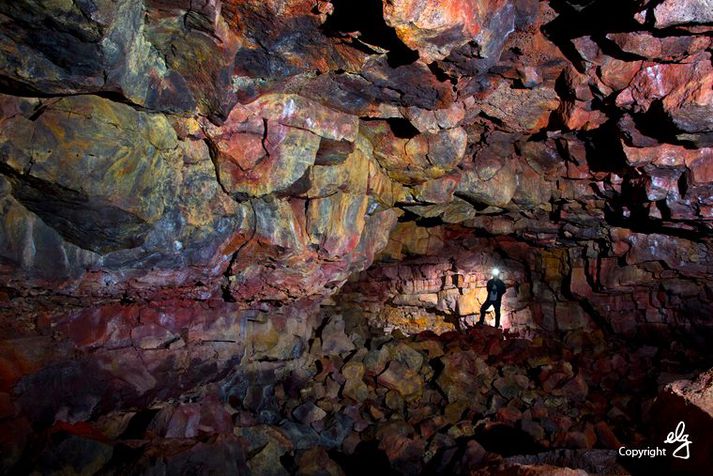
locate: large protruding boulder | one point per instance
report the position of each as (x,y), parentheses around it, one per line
(435,29)
(97,171)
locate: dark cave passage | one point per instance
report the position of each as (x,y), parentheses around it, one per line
(366,18)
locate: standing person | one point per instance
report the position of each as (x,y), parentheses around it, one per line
(496,288)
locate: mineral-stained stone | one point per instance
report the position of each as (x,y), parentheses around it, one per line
(243,236)
(98,171)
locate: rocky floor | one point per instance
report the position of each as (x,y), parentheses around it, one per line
(357,401)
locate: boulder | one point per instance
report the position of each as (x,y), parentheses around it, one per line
(434,32)
(677,12)
(111,170)
(405,381)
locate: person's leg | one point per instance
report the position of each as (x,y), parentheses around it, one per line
(497,313)
(483,308)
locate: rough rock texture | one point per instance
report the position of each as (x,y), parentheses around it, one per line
(557,288)
(193,192)
(348,399)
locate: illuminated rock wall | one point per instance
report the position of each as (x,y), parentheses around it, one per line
(184,183)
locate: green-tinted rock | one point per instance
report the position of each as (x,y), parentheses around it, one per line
(97,171)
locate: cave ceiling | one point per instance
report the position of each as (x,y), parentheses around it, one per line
(265,151)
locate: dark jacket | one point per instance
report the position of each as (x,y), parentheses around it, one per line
(496,288)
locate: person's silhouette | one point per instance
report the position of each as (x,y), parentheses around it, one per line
(496,288)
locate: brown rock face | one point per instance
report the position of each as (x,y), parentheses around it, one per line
(124,190)
(434,29)
(243,236)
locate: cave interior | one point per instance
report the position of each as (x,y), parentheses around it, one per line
(254,237)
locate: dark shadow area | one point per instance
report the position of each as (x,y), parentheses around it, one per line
(124,457)
(655,122)
(102,229)
(479,206)
(604,151)
(366,459)
(136,429)
(367,18)
(402,128)
(591,18)
(587,18)
(288,462)
(683,185)
(506,440)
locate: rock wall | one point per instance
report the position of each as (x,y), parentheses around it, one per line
(153,148)
(434,279)
(183,184)
(105,363)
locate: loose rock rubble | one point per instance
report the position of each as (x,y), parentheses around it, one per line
(350,397)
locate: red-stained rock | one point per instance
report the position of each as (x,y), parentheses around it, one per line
(190,420)
(20,357)
(544,158)
(404,453)
(673,251)
(439,190)
(667,155)
(402,379)
(579,284)
(579,116)
(152,337)
(183,185)
(268,165)
(684,89)
(509,415)
(648,46)
(576,389)
(434,31)
(116,54)
(618,74)
(415,160)
(489,181)
(520,110)
(107,326)
(261,28)
(533,191)
(113,146)
(701,168)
